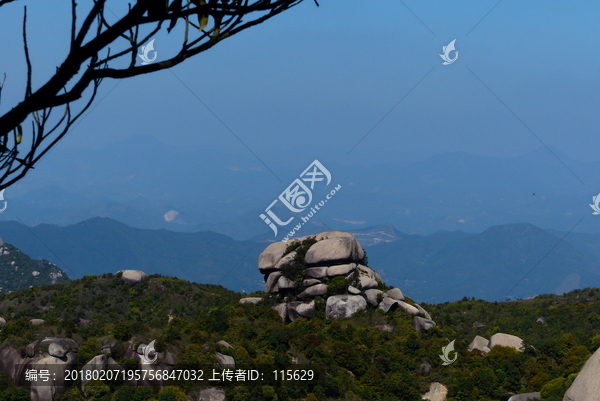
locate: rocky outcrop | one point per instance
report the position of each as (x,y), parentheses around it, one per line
(437,392)
(53,354)
(37,322)
(334,266)
(341,306)
(225,344)
(250,300)
(498,339)
(212,394)
(225,361)
(506,340)
(525,397)
(586,385)
(2,322)
(479,343)
(132,276)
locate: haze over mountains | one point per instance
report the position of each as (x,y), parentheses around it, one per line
(138,180)
(443,266)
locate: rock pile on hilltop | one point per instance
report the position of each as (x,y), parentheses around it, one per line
(331,265)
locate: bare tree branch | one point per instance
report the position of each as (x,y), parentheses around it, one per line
(84,67)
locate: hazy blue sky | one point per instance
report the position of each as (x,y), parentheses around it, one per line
(310,83)
(315,80)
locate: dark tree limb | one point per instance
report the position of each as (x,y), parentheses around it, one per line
(89,62)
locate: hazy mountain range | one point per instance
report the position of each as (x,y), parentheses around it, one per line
(505,261)
(147,184)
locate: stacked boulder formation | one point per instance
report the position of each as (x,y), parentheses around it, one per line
(333,260)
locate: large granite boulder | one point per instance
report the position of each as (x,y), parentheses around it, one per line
(525,397)
(250,300)
(341,306)
(388,305)
(272,280)
(506,340)
(225,361)
(306,309)
(314,291)
(212,394)
(437,392)
(341,270)
(479,343)
(586,386)
(395,293)
(2,322)
(421,325)
(133,276)
(341,249)
(271,256)
(372,296)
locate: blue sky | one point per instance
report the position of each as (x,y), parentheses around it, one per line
(312,82)
(321,77)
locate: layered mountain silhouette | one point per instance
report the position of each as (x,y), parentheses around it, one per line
(506,261)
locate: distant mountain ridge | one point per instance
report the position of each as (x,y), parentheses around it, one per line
(439,267)
(226,192)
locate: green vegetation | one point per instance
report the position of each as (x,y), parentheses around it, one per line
(18,271)
(354,359)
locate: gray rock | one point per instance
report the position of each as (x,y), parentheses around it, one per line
(282,310)
(385,327)
(372,296)
(97,363)
(306,309)
(525,397)
(310,281)
(341,270)
(353,290)
(437,392)
(284,283)
(168,358)
(586,385)
(407,308)
(133,276)
(367,271)
(423,311)
(37,322)
(314,291)
(271,256)
(31,348)
(224,343)
(366,283)
(341,306)
(2,321)
(480,344)
(479,325)
(541,320)
(56,350)
(285,260)
(271,284)
(250,300)
(225,361)
(83,323)
(292,312)
(212,394)
(506,340)
(422,325)
(395,293)
(334,250)
(424,369)
(316,272)
(388,305)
